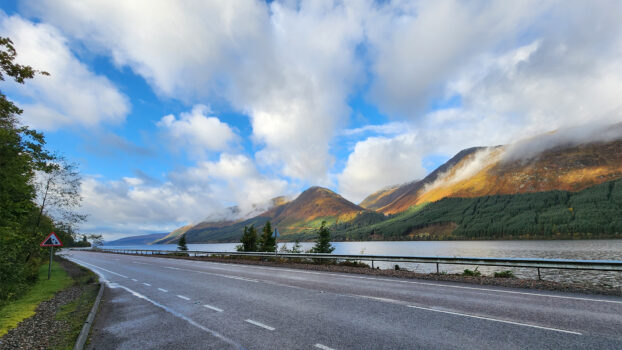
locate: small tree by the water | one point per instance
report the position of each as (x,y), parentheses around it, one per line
(248,240)
(181,245)
(267,243)
(322,243)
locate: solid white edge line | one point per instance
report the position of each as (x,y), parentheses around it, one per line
(182,297)
(171,311)
(212,308)
(259,324)
(494,320)
(163,290)
(323,347)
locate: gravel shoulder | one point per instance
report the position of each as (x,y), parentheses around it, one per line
(57,321)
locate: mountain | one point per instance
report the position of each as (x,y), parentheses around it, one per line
(303,214)
(172,236)
(387,200)
(590,213)
(136,240)
(489,171)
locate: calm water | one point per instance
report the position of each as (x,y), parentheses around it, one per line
(580,249)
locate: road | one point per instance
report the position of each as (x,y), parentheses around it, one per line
(182,304)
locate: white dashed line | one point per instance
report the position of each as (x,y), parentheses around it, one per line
(259,324)
(212,308)
(134,279)
(147,284)
(495,320)
(323,347)
(163,290)
(182,297)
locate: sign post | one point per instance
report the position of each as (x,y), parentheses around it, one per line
(276,242)
(51,241)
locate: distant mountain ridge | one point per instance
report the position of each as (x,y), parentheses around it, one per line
(476,172)
(306,212)
(136,240)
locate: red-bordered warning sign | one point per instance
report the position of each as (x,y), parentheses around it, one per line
(51,241)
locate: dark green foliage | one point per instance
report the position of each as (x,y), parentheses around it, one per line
(504,274)
(267,242)
(592,213)
(322,243)
(248,240)
(181,245)
(21,154)
(474,273)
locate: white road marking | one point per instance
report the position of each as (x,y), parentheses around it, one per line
(163,290)
(177,314)
(147,284)
(101,268)
(495,320)
(134,279)
(424,283)
(323,347)
(183,297)
(212,308)
(259,324)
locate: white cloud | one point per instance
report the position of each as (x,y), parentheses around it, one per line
(72,94)
(132,206)
(290,67)
(378,162)
(417,46)
(198,130)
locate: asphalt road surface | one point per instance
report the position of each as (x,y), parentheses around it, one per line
(181,304)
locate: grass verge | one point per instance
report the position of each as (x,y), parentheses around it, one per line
(18,310)
(75,313)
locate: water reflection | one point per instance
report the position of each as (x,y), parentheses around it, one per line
(584,249)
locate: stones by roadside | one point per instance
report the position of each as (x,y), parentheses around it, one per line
(37,332)
(41,330)
(481,280)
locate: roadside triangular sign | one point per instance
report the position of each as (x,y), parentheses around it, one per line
(51,241)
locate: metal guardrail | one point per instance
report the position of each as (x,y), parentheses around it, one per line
(595,265)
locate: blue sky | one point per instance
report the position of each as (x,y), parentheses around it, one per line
(175,111)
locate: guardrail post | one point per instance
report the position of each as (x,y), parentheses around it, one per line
(372,264)
(437,271)
(539,277)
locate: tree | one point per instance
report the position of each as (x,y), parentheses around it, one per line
(58,192)
(96,240)
(322,243)
(181,244)
(22,152)
(297,248)
(267,243)
(248,240)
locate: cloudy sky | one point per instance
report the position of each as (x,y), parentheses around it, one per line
(176,110)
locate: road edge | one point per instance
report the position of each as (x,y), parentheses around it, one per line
(86,328)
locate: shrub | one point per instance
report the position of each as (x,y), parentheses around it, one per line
(504,274)
(474,273)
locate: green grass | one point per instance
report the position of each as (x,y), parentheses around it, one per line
(18,310)
(74,315)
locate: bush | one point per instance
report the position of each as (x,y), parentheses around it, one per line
(474,273)
(397,267)
(504,274)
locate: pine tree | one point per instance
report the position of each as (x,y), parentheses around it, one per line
(267,243)
(297,248)
(322,243)
(181,245)
(248,240)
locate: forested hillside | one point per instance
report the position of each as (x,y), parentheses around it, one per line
(595,212)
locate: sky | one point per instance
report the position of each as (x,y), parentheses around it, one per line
(177,110)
